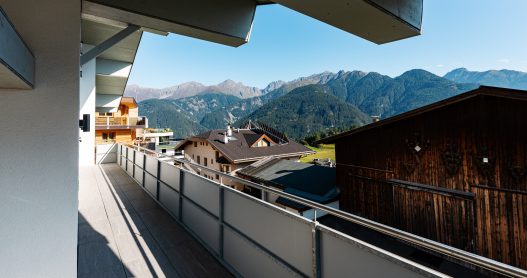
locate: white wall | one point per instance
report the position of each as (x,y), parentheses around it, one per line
(87,106)
(39,146)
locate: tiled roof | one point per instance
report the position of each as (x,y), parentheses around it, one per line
(481,91)
(239,149)
(312,182)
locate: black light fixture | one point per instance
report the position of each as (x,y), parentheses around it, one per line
(84,124)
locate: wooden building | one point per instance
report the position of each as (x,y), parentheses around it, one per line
(119,126)
(454,171)
(229,150)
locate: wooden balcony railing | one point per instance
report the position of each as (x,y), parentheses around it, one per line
(110,122)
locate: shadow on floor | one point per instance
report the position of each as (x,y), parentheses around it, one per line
(97,257)
(149,242)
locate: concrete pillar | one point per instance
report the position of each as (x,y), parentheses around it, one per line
(87,106)
(39,143)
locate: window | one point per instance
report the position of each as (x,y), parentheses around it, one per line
(106,114)
(217,176)
(112,135)
(199,159)
(104,136)
(205,161)
(195,144)
(211,161)
(264,143)
(217,155)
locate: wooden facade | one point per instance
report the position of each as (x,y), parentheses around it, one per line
(120,126)
(115,135)
(454,172)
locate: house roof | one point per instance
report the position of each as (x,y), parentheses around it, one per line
(129,101)
(312,182)
(481,91)
(239,149)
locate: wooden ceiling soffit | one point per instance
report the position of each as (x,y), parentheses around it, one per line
(227,22)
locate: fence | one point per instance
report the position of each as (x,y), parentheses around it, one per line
(256,239)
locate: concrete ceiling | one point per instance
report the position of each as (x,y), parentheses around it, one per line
(113,66)
(229,22)
(379,21)
(94,33)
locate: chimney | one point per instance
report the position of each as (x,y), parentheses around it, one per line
(229,130)
(225,138)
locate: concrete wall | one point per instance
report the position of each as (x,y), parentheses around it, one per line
(39,146)
(87,106)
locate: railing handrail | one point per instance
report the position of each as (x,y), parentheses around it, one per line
(453,252)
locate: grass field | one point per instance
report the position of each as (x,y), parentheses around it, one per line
(324,151)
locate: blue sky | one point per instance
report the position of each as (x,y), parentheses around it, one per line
(284,45)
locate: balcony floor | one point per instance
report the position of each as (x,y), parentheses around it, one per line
(124,233)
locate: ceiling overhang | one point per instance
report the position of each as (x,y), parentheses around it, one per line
(379,21)
(226,22)
(17,63)
(114,64)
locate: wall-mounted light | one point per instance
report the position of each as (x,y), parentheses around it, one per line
(84,124)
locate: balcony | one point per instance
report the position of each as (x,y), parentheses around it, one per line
(103,122)
(160,205)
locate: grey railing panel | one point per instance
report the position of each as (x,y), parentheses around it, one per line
(203,192)
(139,174)
(124,161)
(202,224)
(249,260)
(169,198)
(242,222)
(130,168)
(287,236)
(139,156)
(343,256)
(151,184)
(170,175)
(151,165)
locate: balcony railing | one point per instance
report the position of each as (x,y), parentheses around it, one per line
(103,122)
(254,238)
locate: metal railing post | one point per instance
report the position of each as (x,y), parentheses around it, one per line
(126,166)
(144,169)
(317,269)
(158,178)
(133,165)
(181,192)
(220,220)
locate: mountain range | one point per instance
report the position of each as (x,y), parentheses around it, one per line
(309,104)
(188,89)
